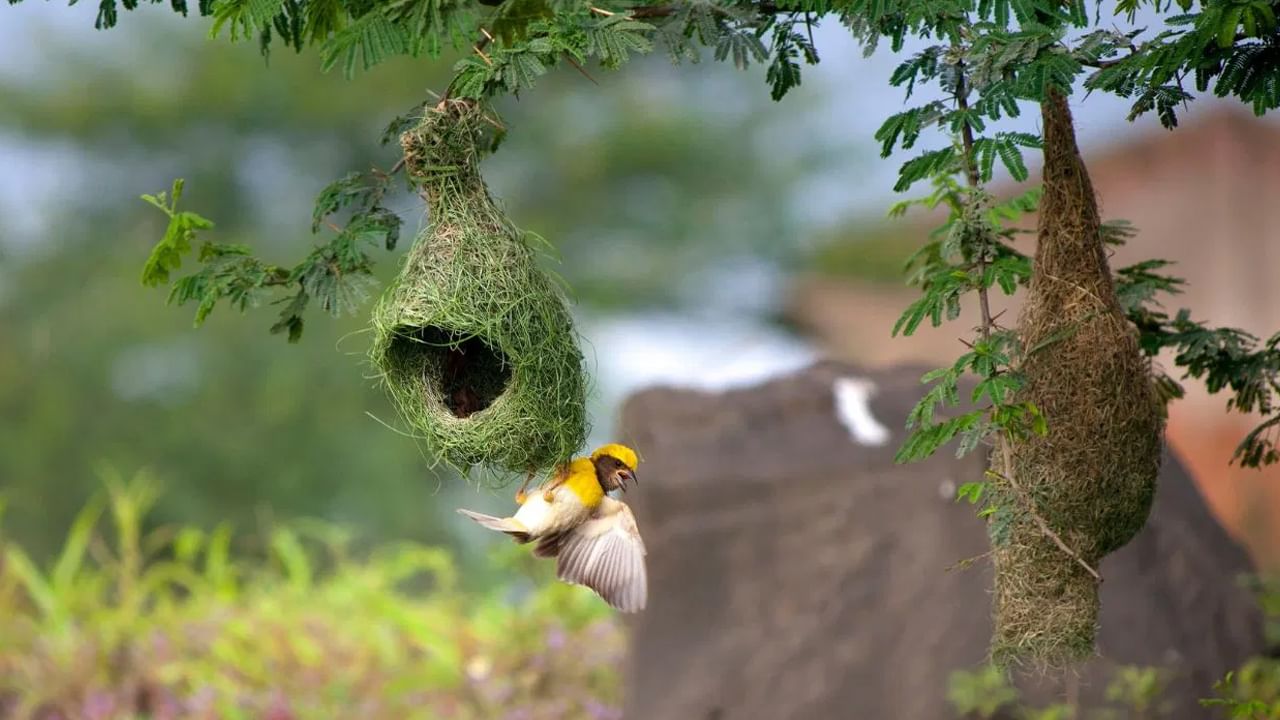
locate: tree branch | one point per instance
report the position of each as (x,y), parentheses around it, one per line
(661,11)
(971,173)
(974,180)
(1044,526)
(1103,64)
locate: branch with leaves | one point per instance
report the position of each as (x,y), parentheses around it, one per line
(336,275)
(1225,359)
(987,57)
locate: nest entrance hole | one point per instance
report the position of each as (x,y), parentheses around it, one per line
(459,370)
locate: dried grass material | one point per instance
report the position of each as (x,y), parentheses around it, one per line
(1092,479)
(474,340)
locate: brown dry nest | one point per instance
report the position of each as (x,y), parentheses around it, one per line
(1092,479)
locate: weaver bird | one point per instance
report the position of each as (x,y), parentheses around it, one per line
(593,537)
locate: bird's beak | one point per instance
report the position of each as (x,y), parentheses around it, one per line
(624,477)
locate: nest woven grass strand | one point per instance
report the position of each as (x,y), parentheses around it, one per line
(473,339)
(1092,479)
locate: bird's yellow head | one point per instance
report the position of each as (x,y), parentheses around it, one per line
(615,466)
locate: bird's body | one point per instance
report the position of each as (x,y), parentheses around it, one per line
(594,537)
(575,493)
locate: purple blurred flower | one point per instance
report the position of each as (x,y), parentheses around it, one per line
(278,708)
(163,704)
(201,703)
(498,691)
(99,705)
(556,638)
(600,711)
(161,645)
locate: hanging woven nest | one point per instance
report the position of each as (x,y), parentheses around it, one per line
(473,339)
(1092,479)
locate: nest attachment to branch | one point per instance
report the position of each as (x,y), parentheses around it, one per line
(474,340)
(1092,479)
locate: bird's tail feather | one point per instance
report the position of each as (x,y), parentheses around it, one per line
(510,526)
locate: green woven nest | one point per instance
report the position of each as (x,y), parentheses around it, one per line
(1093,478)
(474,341)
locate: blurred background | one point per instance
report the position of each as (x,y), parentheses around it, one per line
(713,238)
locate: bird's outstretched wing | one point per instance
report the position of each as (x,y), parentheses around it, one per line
(606,554)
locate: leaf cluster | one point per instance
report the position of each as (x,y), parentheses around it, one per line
(1249,693)
(1231,47)
(988,692)
(990,56)
(1225,359)
(336,275)
(969,253)
(512,67)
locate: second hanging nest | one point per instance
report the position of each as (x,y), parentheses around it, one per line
(474,339)
(1092,478)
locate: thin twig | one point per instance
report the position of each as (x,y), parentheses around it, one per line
(579,68)
(974,180)
(965,563)
(661,11)
(1104,64)
(602,11)
(653,11)
(278,277)
(971,174)
(1044,526)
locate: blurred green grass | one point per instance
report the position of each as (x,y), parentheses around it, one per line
(126,623)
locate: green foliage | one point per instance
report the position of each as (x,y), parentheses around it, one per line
(1139,689)
(178,236)
(611,39)
(986,692)
(336,275)
(980,693)
(109,10)
(1267,591)
(1231,45)
(1250,693)
(970,252)
(1225,359)
(314,630)
(789,45)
